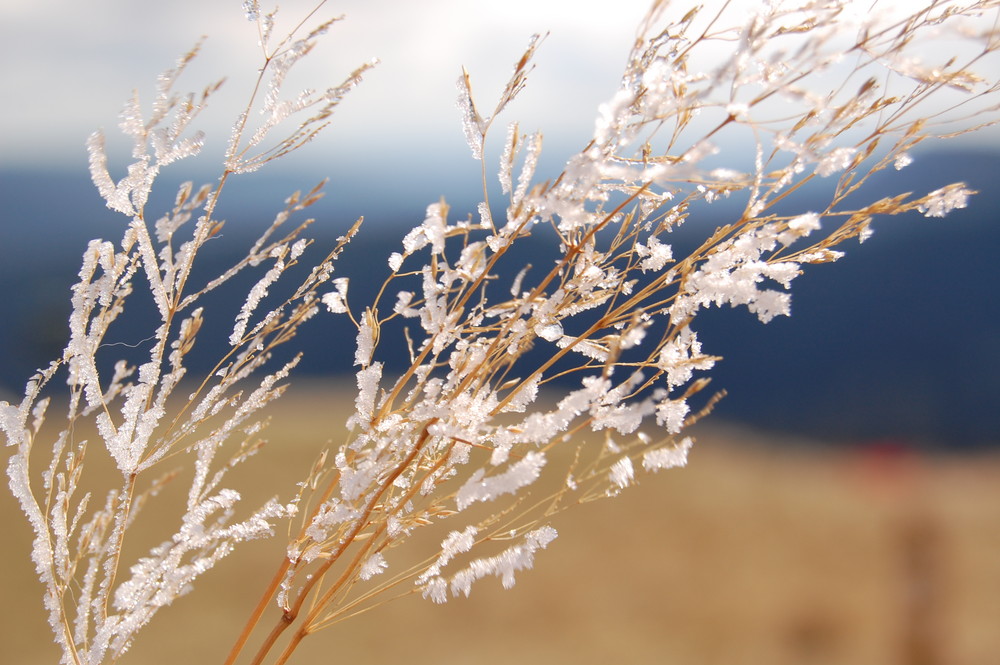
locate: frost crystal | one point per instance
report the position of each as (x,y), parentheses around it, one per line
(835,161)
(550,332)
(472,123)
(251,9)
(485,217)
(365,343)
(671,414)
(368,382)
(507,159)
(655,254)
(667,458)
(622,472)
(524,395)
(799,227)
(504,565)
(942,201)
(257,293)
(373,566)
(336,301)
(457,542)
(681,357)
(478,488)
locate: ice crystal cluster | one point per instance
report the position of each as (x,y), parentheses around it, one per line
(529,389)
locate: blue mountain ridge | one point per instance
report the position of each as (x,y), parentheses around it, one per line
(898,340)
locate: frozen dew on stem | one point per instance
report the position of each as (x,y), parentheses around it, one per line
(942,201)
(587,367)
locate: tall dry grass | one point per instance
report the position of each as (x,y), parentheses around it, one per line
(530,390)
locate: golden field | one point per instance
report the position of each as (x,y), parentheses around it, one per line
(761,551)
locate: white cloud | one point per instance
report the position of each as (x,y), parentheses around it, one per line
(76,63)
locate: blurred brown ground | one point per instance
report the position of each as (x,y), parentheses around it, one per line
(761,551)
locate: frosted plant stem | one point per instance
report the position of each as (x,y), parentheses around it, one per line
(566,260)
(415,365)
(486,193)
(122,520)
(310,622)
(321,603)
(424,446)
(68,635)
(425,352)
(289,616)
(272,588)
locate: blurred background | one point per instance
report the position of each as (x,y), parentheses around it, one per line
(841,506)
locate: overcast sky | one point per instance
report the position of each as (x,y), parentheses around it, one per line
(69,65)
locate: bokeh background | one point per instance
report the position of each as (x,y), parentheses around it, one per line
(841,506)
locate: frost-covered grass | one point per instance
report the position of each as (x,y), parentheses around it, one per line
(530,390)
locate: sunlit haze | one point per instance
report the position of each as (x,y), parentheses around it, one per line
(70,66)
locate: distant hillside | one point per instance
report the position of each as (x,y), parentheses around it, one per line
(897,341)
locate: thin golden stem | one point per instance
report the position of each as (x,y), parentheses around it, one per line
(275,584)
(360,522)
